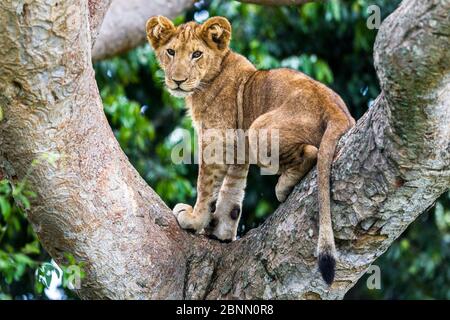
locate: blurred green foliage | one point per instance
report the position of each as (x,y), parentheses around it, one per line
(329,41)
(19,248)
(26,270)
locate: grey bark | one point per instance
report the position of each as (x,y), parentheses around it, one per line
(92,203)
(124,25)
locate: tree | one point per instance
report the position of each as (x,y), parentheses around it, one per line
(92,203)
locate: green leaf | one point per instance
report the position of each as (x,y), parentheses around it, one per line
(5,207)
(31,248)
(335,9)
(23,259)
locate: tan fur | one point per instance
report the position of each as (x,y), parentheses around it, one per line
(309,117)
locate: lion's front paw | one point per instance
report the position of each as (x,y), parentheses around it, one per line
(224,223)
(187,219)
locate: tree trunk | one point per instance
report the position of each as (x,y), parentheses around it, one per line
(93,204)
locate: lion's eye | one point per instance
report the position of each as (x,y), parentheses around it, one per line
(197,54)
(171,52)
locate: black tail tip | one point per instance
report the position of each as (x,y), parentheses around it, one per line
(327,265)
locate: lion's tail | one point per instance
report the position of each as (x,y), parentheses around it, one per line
(326,248)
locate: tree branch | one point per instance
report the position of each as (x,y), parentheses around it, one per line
(124,25)
(122,28)
(93,204)
(278,2)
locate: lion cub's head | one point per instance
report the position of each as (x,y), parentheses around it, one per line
(190,54)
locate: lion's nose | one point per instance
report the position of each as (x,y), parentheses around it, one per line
(179,82)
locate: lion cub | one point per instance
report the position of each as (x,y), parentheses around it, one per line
(223,91)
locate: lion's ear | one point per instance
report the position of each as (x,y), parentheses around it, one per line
(159,31)
(216,32)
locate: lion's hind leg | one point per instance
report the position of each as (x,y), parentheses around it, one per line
(294,165)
